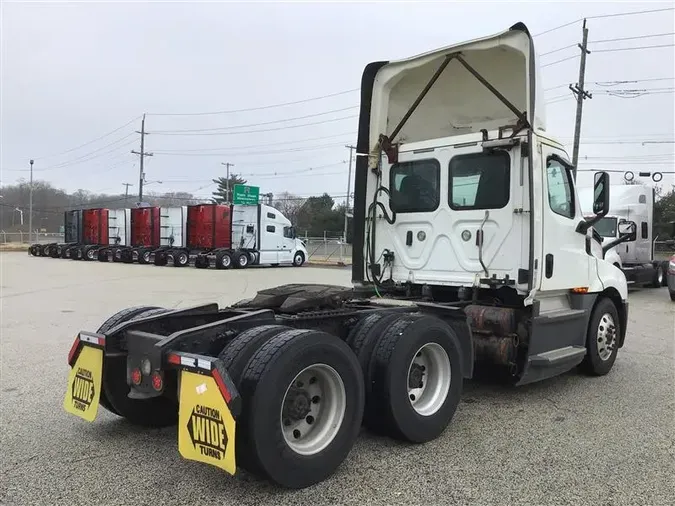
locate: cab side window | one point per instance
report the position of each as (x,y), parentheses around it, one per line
(560,188)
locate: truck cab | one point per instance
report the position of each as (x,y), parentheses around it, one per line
(462,195)
(627,233)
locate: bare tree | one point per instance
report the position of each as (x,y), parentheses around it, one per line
(289,205)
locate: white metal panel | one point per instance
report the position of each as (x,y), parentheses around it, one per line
(173,226)
(441,253)
(245,227)
(458,103)
(119,227)
(571,264)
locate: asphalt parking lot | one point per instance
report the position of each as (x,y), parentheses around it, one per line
(569,440)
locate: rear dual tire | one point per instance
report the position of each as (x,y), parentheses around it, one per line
(155,412)
(294,430)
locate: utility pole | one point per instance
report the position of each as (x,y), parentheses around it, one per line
(30,205)
(227,181)
(142,154)
(349,189)
(581,95)
(126,191)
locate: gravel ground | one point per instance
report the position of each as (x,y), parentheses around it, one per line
(569,440)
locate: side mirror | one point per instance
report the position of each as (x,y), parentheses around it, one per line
(600,202)
(601,194)
(628,231)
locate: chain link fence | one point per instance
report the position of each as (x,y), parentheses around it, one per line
(17,238)
(328,250)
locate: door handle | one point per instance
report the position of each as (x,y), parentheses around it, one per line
(408,238)
(549,265)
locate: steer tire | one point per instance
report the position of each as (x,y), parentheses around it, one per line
(392,411)
(264,385)
(154,412)
(593,363)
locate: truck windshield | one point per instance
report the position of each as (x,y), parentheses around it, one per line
(606,227)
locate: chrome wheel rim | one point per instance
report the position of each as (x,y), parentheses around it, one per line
(226,261)
(659,276)
(606,336)
(90,254)
(429,378)
(298,259)
(243,260)
(313,409)
(146,256)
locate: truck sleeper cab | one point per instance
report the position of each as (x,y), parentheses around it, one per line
(470,255)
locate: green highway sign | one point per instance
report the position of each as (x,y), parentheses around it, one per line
(244,195)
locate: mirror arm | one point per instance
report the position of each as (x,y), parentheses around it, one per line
(587,223)
(615,242)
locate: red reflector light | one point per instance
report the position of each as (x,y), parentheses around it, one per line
(173,359)
(157,382)
(73,350)
(136,376)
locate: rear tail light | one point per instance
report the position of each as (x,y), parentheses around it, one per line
(136,376)
(157,382)
(73,350)
(671,265)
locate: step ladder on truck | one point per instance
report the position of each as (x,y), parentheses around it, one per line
(470,253)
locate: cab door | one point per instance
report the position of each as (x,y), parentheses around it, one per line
(565,261)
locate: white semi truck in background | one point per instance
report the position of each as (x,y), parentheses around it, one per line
(627,233)
(470,252)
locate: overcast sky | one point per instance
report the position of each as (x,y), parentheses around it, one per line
(72,72)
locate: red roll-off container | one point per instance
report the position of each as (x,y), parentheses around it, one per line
(145,226)
(95,226)
(209,226)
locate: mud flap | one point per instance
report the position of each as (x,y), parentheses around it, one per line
(84,381)
(208,404)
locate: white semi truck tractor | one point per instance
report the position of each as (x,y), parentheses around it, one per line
(627,233)
(471,254)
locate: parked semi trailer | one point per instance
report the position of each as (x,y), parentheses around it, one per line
(72,235)
(469,253)
(152,230)
(236,236)
(631,211)
(86,231)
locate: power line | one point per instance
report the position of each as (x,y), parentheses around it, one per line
(635,48)
(260,108)
(561,60)
(267,152)
(615,83)
(602,16)
(234,127)
(266,129)
(648,36)
(89,142)
(87,157)
(258,144)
